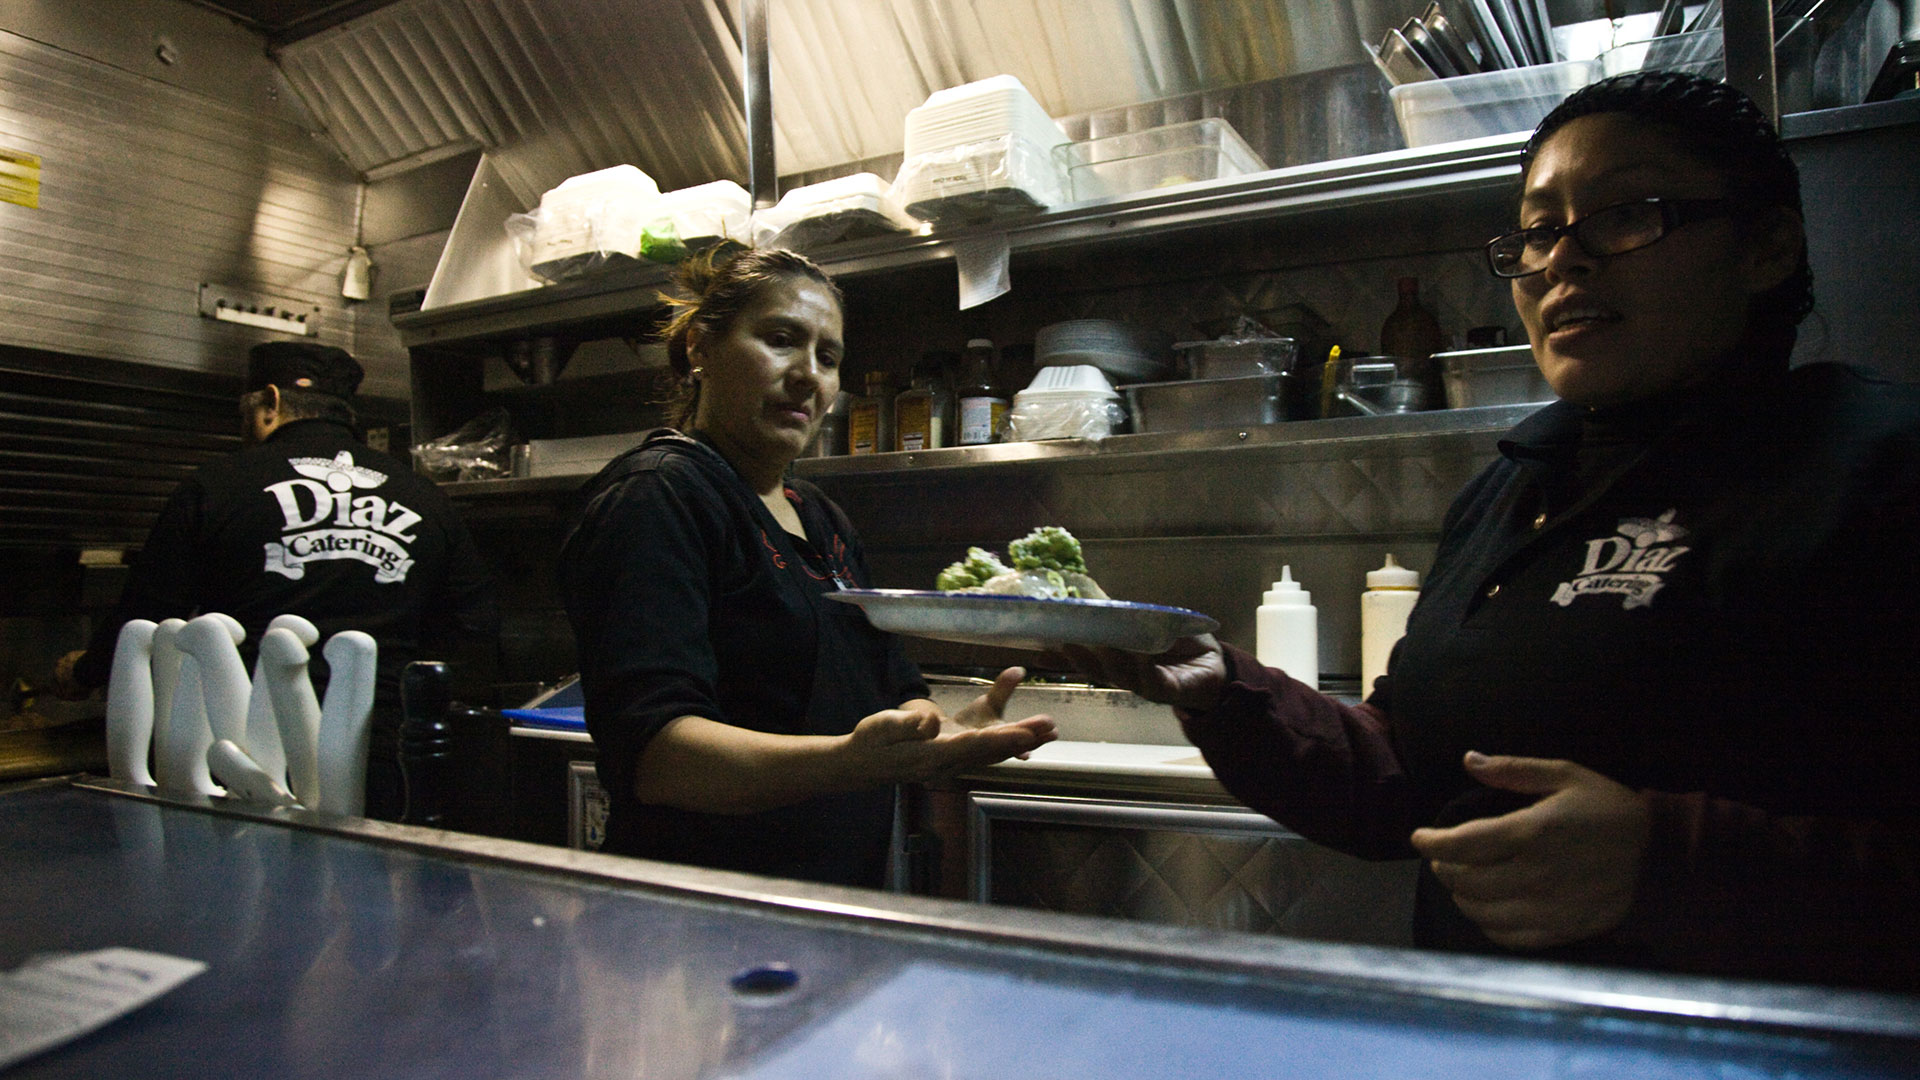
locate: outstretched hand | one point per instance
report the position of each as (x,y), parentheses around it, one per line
(919,744)
(1189,675)
(1562,870)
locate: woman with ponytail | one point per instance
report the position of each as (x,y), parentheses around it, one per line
(743,720)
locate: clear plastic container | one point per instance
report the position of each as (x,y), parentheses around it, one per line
(1158,157)
(1703,53)
(1490,103)
(1228,358)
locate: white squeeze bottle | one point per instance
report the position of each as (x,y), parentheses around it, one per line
(1391,593)
(1287,630)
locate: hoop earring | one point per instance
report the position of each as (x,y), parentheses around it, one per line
(693,374)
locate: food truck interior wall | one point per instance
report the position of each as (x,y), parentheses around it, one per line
(178,150)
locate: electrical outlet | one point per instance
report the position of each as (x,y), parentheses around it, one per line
(229,304)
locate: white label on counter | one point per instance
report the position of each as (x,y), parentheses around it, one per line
(55,999)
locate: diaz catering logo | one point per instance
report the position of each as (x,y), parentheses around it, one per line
(332,514)
(1631,564)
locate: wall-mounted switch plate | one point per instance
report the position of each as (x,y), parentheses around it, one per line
(247,307)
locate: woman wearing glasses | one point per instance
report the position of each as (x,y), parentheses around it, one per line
(1655,705)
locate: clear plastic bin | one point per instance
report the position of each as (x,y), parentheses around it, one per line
(1159,157)
(1490,103)
(1703,53)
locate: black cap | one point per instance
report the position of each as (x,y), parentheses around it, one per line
(302,365)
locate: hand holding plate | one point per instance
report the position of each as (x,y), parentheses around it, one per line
(1189,675)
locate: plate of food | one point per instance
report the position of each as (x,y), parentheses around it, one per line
(1045,599)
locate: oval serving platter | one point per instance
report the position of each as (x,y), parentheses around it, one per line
(1026,622)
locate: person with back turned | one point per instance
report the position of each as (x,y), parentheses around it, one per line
(307,520)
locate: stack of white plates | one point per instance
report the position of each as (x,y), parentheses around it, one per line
(1122,351)
(977,112)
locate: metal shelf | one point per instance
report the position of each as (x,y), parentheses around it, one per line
(1349,190)
(1350,185)
(1411,428)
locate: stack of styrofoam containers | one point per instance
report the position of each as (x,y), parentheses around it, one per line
(980,151)
(844,208)
(1065,402)
(705,215)
(591,217)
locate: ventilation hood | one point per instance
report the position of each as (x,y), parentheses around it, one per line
(553,88)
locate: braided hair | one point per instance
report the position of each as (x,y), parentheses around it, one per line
(719,285)
(1723,127)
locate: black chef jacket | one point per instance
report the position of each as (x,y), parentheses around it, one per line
(1708,598)
(314,523)
(688,599)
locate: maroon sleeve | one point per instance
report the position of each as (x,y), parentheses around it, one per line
(1820,899)
(1324,769)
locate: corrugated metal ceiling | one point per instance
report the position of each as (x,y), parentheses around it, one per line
(557,87)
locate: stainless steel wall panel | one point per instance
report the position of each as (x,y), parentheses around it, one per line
(1202,529)
(553,88)
(89,448)
(149,190)
(1221,868)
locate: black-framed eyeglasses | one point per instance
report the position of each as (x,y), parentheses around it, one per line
(1610,230)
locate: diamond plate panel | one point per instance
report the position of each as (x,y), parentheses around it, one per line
(1258,884)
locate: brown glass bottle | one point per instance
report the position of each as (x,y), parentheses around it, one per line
(1412,335)
(982,404)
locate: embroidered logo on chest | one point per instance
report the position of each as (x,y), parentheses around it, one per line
(1631,564)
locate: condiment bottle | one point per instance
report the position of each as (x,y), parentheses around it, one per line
(1287,630)
(919,412)
(1391,593)
(983,407)
(870,419)
(1412,335)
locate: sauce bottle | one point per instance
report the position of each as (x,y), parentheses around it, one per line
(983,407)
(1411,335)
(1391,593)
(919,412)
(1287,630)
(870,418)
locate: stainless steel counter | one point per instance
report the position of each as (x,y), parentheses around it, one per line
(345,948)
